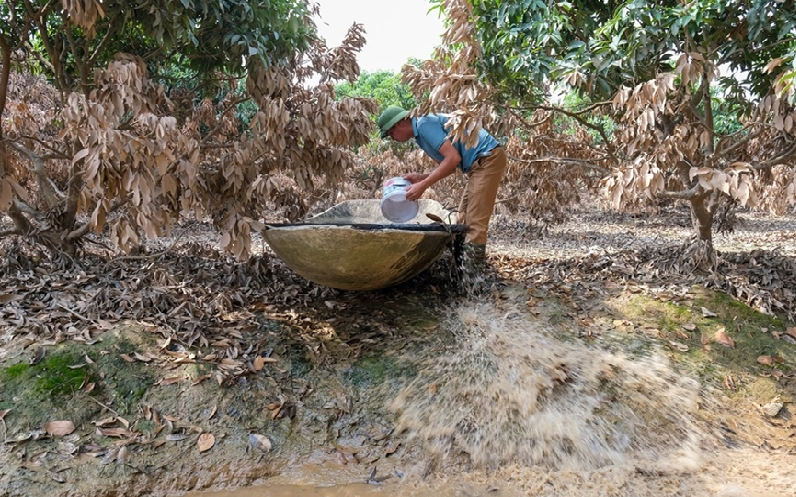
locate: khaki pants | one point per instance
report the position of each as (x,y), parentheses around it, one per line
(478,200)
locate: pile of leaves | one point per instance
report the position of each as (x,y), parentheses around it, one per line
(205,305)
(763,279)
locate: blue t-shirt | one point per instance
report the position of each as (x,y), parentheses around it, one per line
(430,134)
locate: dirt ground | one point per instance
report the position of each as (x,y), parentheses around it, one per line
(627,376)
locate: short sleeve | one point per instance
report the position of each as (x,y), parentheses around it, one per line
(433,133)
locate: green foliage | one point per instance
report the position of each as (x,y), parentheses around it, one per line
(597,46)
(576,102)
(725,114)
(383,86)
(197,36)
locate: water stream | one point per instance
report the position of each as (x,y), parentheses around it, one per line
(515,407)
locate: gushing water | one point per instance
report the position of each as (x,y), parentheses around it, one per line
(509,391)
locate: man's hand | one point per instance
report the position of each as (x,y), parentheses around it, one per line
(416,190)
(415,177)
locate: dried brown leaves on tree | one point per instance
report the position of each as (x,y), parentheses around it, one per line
(664,147)
(536,182)
(128,158)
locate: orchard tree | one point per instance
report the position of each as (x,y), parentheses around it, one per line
(119,144)
(653,67)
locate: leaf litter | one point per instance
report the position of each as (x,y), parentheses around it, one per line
(209,315)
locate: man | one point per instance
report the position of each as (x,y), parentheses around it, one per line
(484,165)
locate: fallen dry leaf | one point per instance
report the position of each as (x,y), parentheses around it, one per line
(689,327)
(170,380)
(708,314)
(723,338)
(791,330)
(765,359)
(59,428)
(114,432)
(678,346)
(3,413)
(206,442)
(259,363)
(260,442)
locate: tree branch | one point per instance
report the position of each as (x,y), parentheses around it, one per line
(577,116)
(587,110)
(56,154)
(689,194)
(723,139)
(79,62)
(221,121)
(737,144)
(44,37)
(20,221)
(782,158)
(83,230)
(525,121)
(5,52)
(109,34)
(49,192)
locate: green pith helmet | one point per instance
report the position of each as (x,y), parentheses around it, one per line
(389,118)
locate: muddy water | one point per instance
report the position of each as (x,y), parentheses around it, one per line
(512,391)
(516,407)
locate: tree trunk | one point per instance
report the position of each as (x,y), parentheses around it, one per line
(702,217)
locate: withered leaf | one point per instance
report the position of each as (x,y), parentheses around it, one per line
(689,327)
(104,422)
(170,380)
(260,442)
(37,356)
(678,346)
(765,359)
(114,432)
(259,363)
(3,413)
(723,338)
(206,442)
(707,313)
(59,428)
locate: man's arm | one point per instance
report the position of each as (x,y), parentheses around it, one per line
(451,160)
